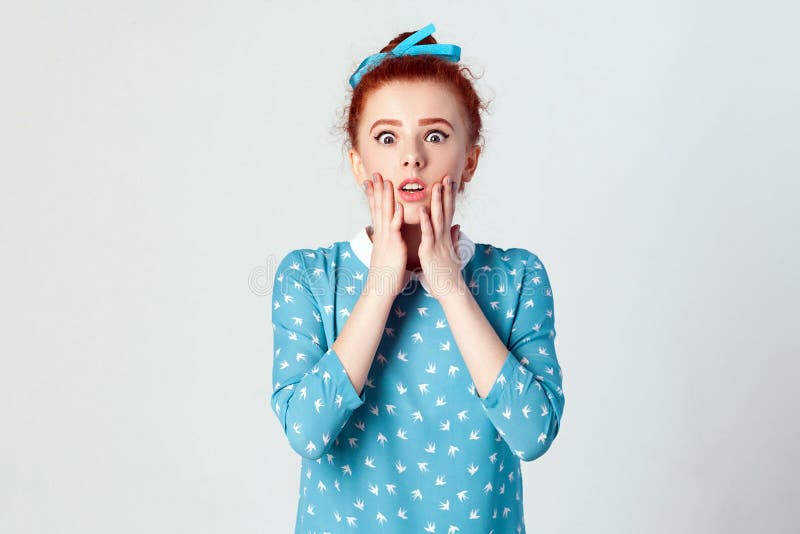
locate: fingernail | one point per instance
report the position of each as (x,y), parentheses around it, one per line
(454,186)
(364,186)
(375,178)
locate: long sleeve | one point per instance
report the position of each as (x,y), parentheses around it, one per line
(526,401)
(312,397)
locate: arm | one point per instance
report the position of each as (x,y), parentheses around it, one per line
(316,390)
(312,395)
(519,384)
(358,341)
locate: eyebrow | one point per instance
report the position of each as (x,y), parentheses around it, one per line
(422,122)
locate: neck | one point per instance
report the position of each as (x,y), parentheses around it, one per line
(412,235)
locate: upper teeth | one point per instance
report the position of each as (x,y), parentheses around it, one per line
(412,187)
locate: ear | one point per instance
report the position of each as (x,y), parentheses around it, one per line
(471,164)
(357,166)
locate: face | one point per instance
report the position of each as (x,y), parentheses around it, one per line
(413,130)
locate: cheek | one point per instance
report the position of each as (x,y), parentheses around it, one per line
(373,159)
(454,160)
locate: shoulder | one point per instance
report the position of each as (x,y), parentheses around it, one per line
(518,258)
(517,267)
(309,266)
(298,258)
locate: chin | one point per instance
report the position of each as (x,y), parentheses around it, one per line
(409,218)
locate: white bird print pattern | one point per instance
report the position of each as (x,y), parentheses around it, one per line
(355,449)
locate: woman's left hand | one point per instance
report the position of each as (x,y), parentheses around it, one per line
(438,257)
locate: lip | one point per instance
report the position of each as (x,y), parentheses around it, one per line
(414,180)
(412,196)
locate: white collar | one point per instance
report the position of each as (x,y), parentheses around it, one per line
(362,246)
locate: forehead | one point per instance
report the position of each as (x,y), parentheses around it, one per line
(411,100)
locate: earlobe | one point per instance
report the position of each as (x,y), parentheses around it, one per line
(471,164)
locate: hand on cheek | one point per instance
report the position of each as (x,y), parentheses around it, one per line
(438,258)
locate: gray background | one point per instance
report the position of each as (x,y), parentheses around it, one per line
(158,158)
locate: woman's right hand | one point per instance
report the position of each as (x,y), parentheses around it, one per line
(389,252)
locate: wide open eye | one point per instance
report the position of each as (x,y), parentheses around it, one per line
(385,138)
(436,136)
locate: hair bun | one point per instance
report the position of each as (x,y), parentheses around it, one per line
(401,37)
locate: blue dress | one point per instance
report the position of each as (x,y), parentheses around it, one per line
(419,450)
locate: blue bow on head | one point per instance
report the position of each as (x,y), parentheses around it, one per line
(409,47)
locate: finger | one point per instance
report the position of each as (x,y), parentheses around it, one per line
(436,211)
(388,202)
(397,221)
(425,227)
(377,183)
(371,197)
(449,201)
(452,249)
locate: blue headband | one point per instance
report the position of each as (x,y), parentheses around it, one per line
(409,47)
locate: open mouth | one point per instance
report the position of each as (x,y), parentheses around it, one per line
(411,189)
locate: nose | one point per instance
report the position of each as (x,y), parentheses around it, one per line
(413,158)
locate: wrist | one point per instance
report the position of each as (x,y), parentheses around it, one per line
(454,290)
(381,285)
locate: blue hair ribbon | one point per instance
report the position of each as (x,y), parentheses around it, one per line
(409,47)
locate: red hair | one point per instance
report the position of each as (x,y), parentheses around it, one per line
(417,68)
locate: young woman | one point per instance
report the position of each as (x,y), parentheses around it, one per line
(414,368)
